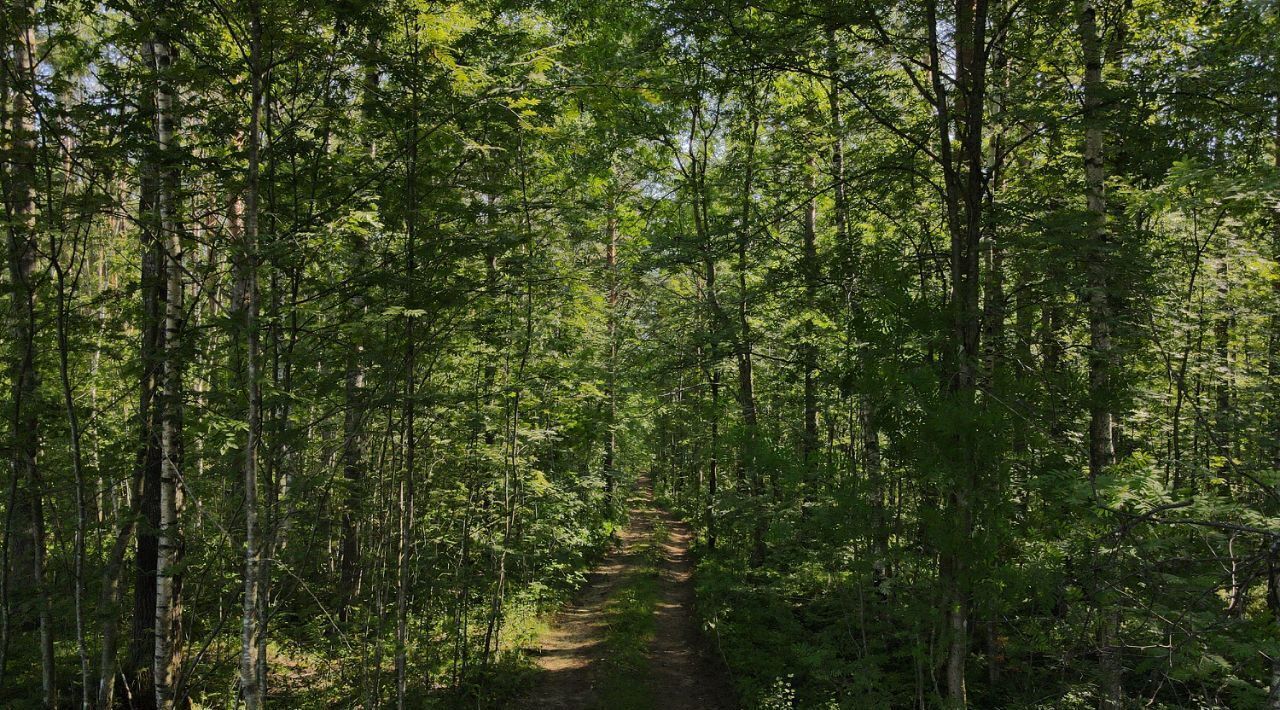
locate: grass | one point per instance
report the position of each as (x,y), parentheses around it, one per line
(630,627)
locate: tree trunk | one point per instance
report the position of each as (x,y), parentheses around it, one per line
(611,377)
(867,428)
(405,512)
(1101,358)
(840,211)
(1222,416)
(964,188)
(1101,444)
(25,552)
(809,349)
(354,411)
(713,465)
(1273,370)
(352,463)
(1273,606)
(65,294)
(139,661)
(109,603)
(169,545)
(251,685)
(746,380)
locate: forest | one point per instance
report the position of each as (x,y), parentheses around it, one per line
(796,353)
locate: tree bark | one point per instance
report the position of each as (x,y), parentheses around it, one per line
(251,681)
(809,352)
(65,294)
(405,511)
(352,464)
(1101,443)
(25,552)
(354,410)
(1273,342)
(611,377)
(169,544)
(1101,357)
(1222,417)
(964,187)
(713,465)
(1273,370)
(139,662)
(109,602)
(746,378)
(1273,606)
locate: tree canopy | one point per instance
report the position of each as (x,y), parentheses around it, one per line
(338,333)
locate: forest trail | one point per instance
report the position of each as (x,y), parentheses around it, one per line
(630,638)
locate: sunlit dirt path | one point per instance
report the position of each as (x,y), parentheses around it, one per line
(678,673)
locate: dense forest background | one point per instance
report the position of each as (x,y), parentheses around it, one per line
(336,334)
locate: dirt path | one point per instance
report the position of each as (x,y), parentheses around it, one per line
(677,673)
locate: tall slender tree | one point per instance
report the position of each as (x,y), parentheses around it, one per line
(24,530)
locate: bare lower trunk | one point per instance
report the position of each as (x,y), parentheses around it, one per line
(403,559)
(871,470)
(1273,606)
(109,611)
(251,686)
(713,465)
(352,469)
(1223,428)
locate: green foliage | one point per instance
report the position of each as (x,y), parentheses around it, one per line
(512,256)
